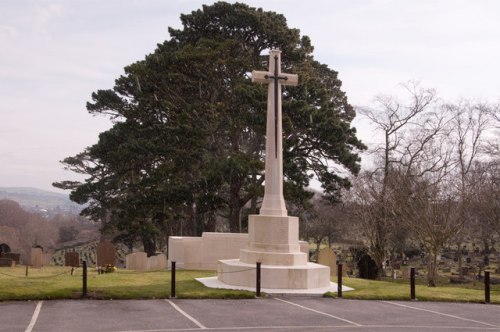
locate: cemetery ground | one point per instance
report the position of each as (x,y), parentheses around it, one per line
(56,282)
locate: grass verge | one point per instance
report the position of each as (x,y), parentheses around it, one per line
(400,290)
(58,283)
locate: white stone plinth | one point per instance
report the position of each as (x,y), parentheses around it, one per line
(310,275)
(274,242)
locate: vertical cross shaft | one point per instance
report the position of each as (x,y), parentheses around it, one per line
(276,79)
(274,203)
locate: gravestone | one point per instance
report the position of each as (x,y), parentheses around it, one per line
(106,254)
(7,262)
(157,262)
(72,259)
(137,261)
(326,256)
(14,256)
(36,257)
(46,258)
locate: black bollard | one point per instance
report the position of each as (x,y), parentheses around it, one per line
(26,269)
(412,283)
(84,287)
(339,280)
(257,286)
(172,281)
(487,286)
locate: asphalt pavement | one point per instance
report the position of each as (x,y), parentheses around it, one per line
(293,313)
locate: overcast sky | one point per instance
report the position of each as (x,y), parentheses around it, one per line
(54,54)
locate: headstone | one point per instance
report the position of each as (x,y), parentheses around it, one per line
(72,259)
(7,262)
(326,256)
(157,262)
(14,256)
(106,254)
(46,258)
(137,261)
(36,257)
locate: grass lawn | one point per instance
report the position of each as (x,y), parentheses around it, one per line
(57,283)
(400,290)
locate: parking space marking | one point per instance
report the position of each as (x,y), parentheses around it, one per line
(34,317)
(319,312)
(191,318)
(440,313)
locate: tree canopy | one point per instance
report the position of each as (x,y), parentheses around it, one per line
(188,138)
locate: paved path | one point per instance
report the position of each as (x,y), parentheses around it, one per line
(271,314)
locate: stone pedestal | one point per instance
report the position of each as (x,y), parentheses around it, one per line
(274,242)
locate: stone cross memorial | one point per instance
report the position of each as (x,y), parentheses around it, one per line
(274,203)
(273,236)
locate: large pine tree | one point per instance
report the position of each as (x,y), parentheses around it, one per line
(189,134)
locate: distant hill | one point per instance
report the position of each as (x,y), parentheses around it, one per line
(37,199)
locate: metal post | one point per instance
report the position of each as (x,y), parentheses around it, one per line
(172,281)
(84,288)
(339,280)
(487,286)
(26,269)
(412,283)
(257,292)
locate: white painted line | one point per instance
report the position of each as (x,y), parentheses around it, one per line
(200,325)
(34,317)
(440,313)
(319,312)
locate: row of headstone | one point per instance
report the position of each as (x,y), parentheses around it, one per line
(105,255)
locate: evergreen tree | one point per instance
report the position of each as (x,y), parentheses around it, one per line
(188,138)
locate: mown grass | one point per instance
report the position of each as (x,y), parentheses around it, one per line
(400,290)
(57,283)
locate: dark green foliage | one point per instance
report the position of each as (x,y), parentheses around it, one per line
(67,233)
(188,139)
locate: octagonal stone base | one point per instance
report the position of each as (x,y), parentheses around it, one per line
(273,241)
(307,276)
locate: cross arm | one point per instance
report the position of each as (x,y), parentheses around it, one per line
(260,77)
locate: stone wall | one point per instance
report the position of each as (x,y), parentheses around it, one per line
(203,253)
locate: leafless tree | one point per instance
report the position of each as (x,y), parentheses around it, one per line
(408,129)
(468,125)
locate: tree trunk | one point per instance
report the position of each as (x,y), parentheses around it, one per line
(459,257)
(432,269)
(378,249)
(149,245)
(211,222)
(318,245)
